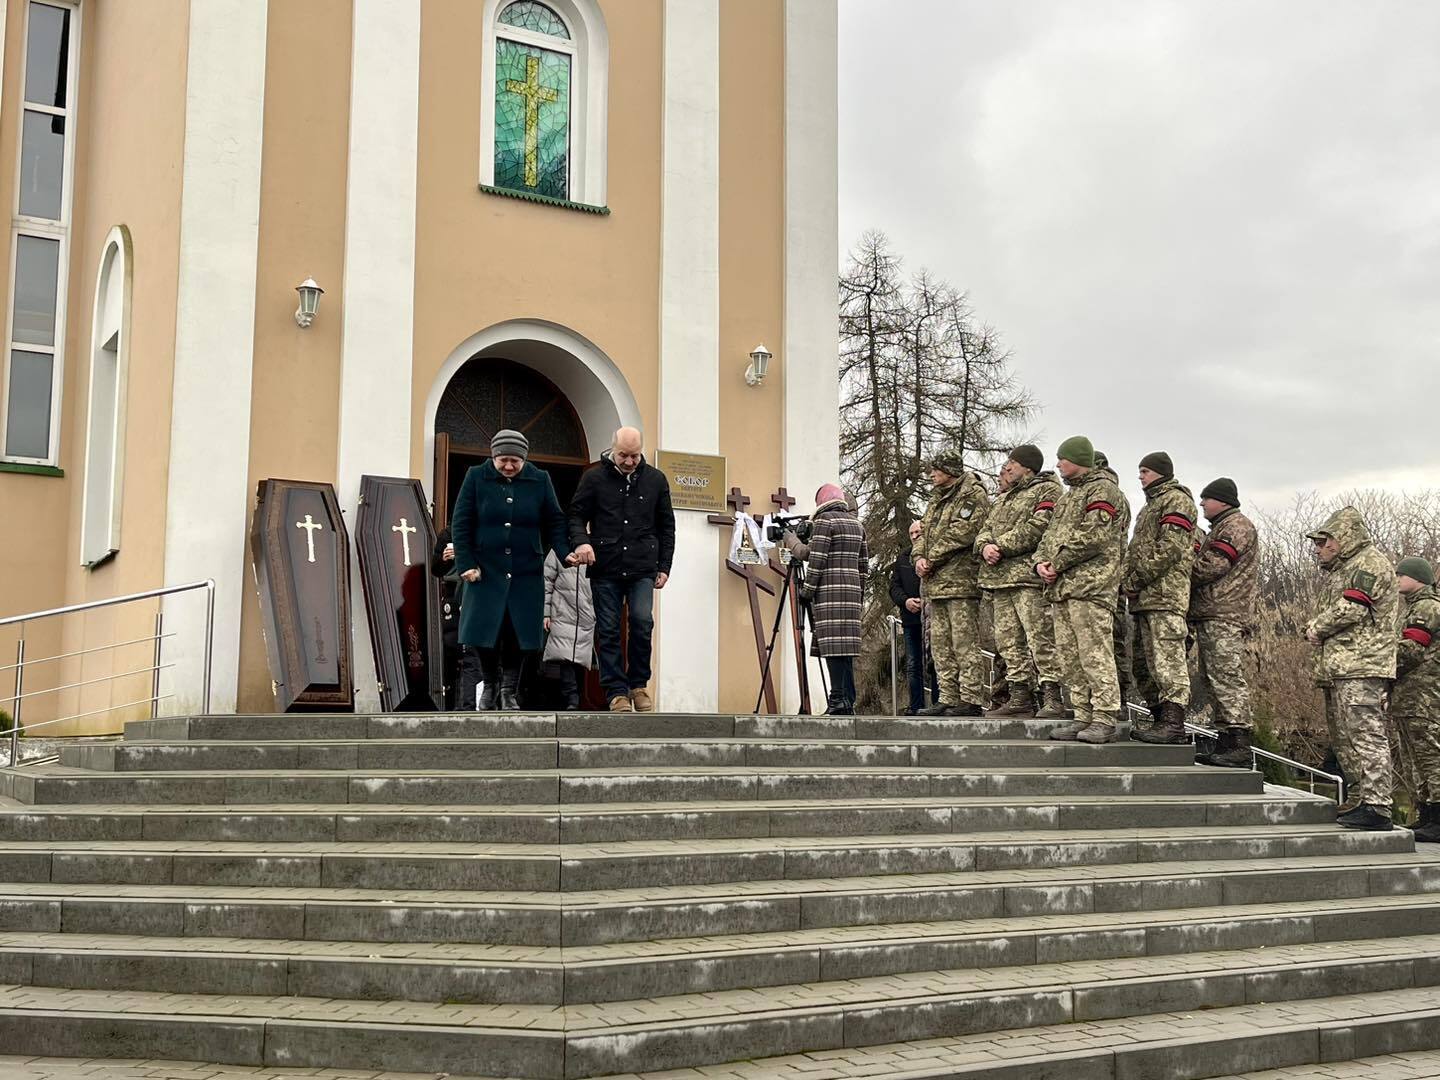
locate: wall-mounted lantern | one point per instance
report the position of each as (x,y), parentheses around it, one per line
(759,365)
(310,294)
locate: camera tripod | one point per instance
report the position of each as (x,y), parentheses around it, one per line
(808,617)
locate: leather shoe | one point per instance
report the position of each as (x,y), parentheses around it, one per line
(621,703)
(1367,818)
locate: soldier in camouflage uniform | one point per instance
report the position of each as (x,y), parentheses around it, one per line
(1079,561)
(1156,581)
(1121,627)
(1024,633)
(949,570)
(1224,581)
(1353,632)
(1415,700)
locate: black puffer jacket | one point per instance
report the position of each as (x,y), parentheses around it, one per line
(628,520)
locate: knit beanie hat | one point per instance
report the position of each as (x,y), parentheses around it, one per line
(1222,490)
(1028,456)
(1102,460)
(1412,566)
(509,443)
(1159,462)
(950,462)
(1078,450)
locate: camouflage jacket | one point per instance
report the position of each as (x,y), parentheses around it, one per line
(1085,542)
(1158,561)
(1017,521)
(1417,672)
(1225,578)
(955,516)
(1355,613)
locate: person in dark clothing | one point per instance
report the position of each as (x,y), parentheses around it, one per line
(442,565)
(905,592)
(506,519)
(623,527)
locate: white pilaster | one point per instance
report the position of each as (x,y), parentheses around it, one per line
(208,498)
(377,337)
(689,641)
(809,360)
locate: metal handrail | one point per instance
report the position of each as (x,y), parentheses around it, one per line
(895,624)
(150,670)
(155,696)
(87,652)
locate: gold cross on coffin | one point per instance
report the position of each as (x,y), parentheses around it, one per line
(534,94)
(309,525)
(405,529)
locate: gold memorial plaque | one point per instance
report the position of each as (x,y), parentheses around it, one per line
(697,481)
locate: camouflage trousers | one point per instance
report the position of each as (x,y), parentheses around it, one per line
(1084,640)
(1120,631)
(1355,715)
(1025,635)
(955,647)
(1419,743)
(1222,652)
(1161,672)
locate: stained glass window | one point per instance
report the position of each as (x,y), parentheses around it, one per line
(532,117)
(529,15)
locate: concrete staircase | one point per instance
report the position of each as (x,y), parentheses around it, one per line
(539,896)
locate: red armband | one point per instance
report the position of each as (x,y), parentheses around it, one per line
(1180,521)
(1419,635)
(1101,506)
(1225,549)
(1046,505)
(1360,597)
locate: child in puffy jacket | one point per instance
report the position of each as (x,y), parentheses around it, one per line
(570,626)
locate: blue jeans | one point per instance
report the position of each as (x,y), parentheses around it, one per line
(619,675)
(915,667)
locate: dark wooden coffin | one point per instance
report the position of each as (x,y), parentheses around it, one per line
(402,598)
(301,556)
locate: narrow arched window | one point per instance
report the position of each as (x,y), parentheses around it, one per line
(105,425)
(534,60)
(543,113)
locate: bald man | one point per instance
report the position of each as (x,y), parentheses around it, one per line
(623,528)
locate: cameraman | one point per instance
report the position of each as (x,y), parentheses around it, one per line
(837,561)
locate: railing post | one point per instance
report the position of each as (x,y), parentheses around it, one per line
(209,638)
(894,671)
(155,675)
(19,700)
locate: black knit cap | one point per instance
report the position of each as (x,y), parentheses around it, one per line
(1159,462)
(1028,456)
(1221,490)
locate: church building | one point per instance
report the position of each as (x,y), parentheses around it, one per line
(561,216)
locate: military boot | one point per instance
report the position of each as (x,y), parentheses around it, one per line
(1022,702)
(1170,730)
(1052,705)
(1140,725)
(939,708)
(1234,750)
(1000,695)
(1104,729)
(1367,818)
(1069,732)
(1427,829)
(965,708)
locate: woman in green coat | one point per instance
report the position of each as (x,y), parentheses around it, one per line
(505,520)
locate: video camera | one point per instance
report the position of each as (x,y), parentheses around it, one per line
(799,524)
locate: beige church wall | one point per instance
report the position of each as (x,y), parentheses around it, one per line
(482,259)
(294,417)
(751,299)
(130,134)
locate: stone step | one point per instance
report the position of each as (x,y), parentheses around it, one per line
(1387,1035)
(577,823)
(579,919)
(532,754)
(1390,1002)
(312,726)
(543,867)
(489,974)
(54,784)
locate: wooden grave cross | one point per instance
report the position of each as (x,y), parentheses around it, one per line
(754,586)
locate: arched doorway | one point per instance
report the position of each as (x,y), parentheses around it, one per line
(488,394)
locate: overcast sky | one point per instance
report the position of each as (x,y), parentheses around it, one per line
(1206,227)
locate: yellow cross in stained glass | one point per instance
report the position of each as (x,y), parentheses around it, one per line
(534,94)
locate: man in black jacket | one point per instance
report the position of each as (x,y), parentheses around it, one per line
(623,527)
(905,592)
